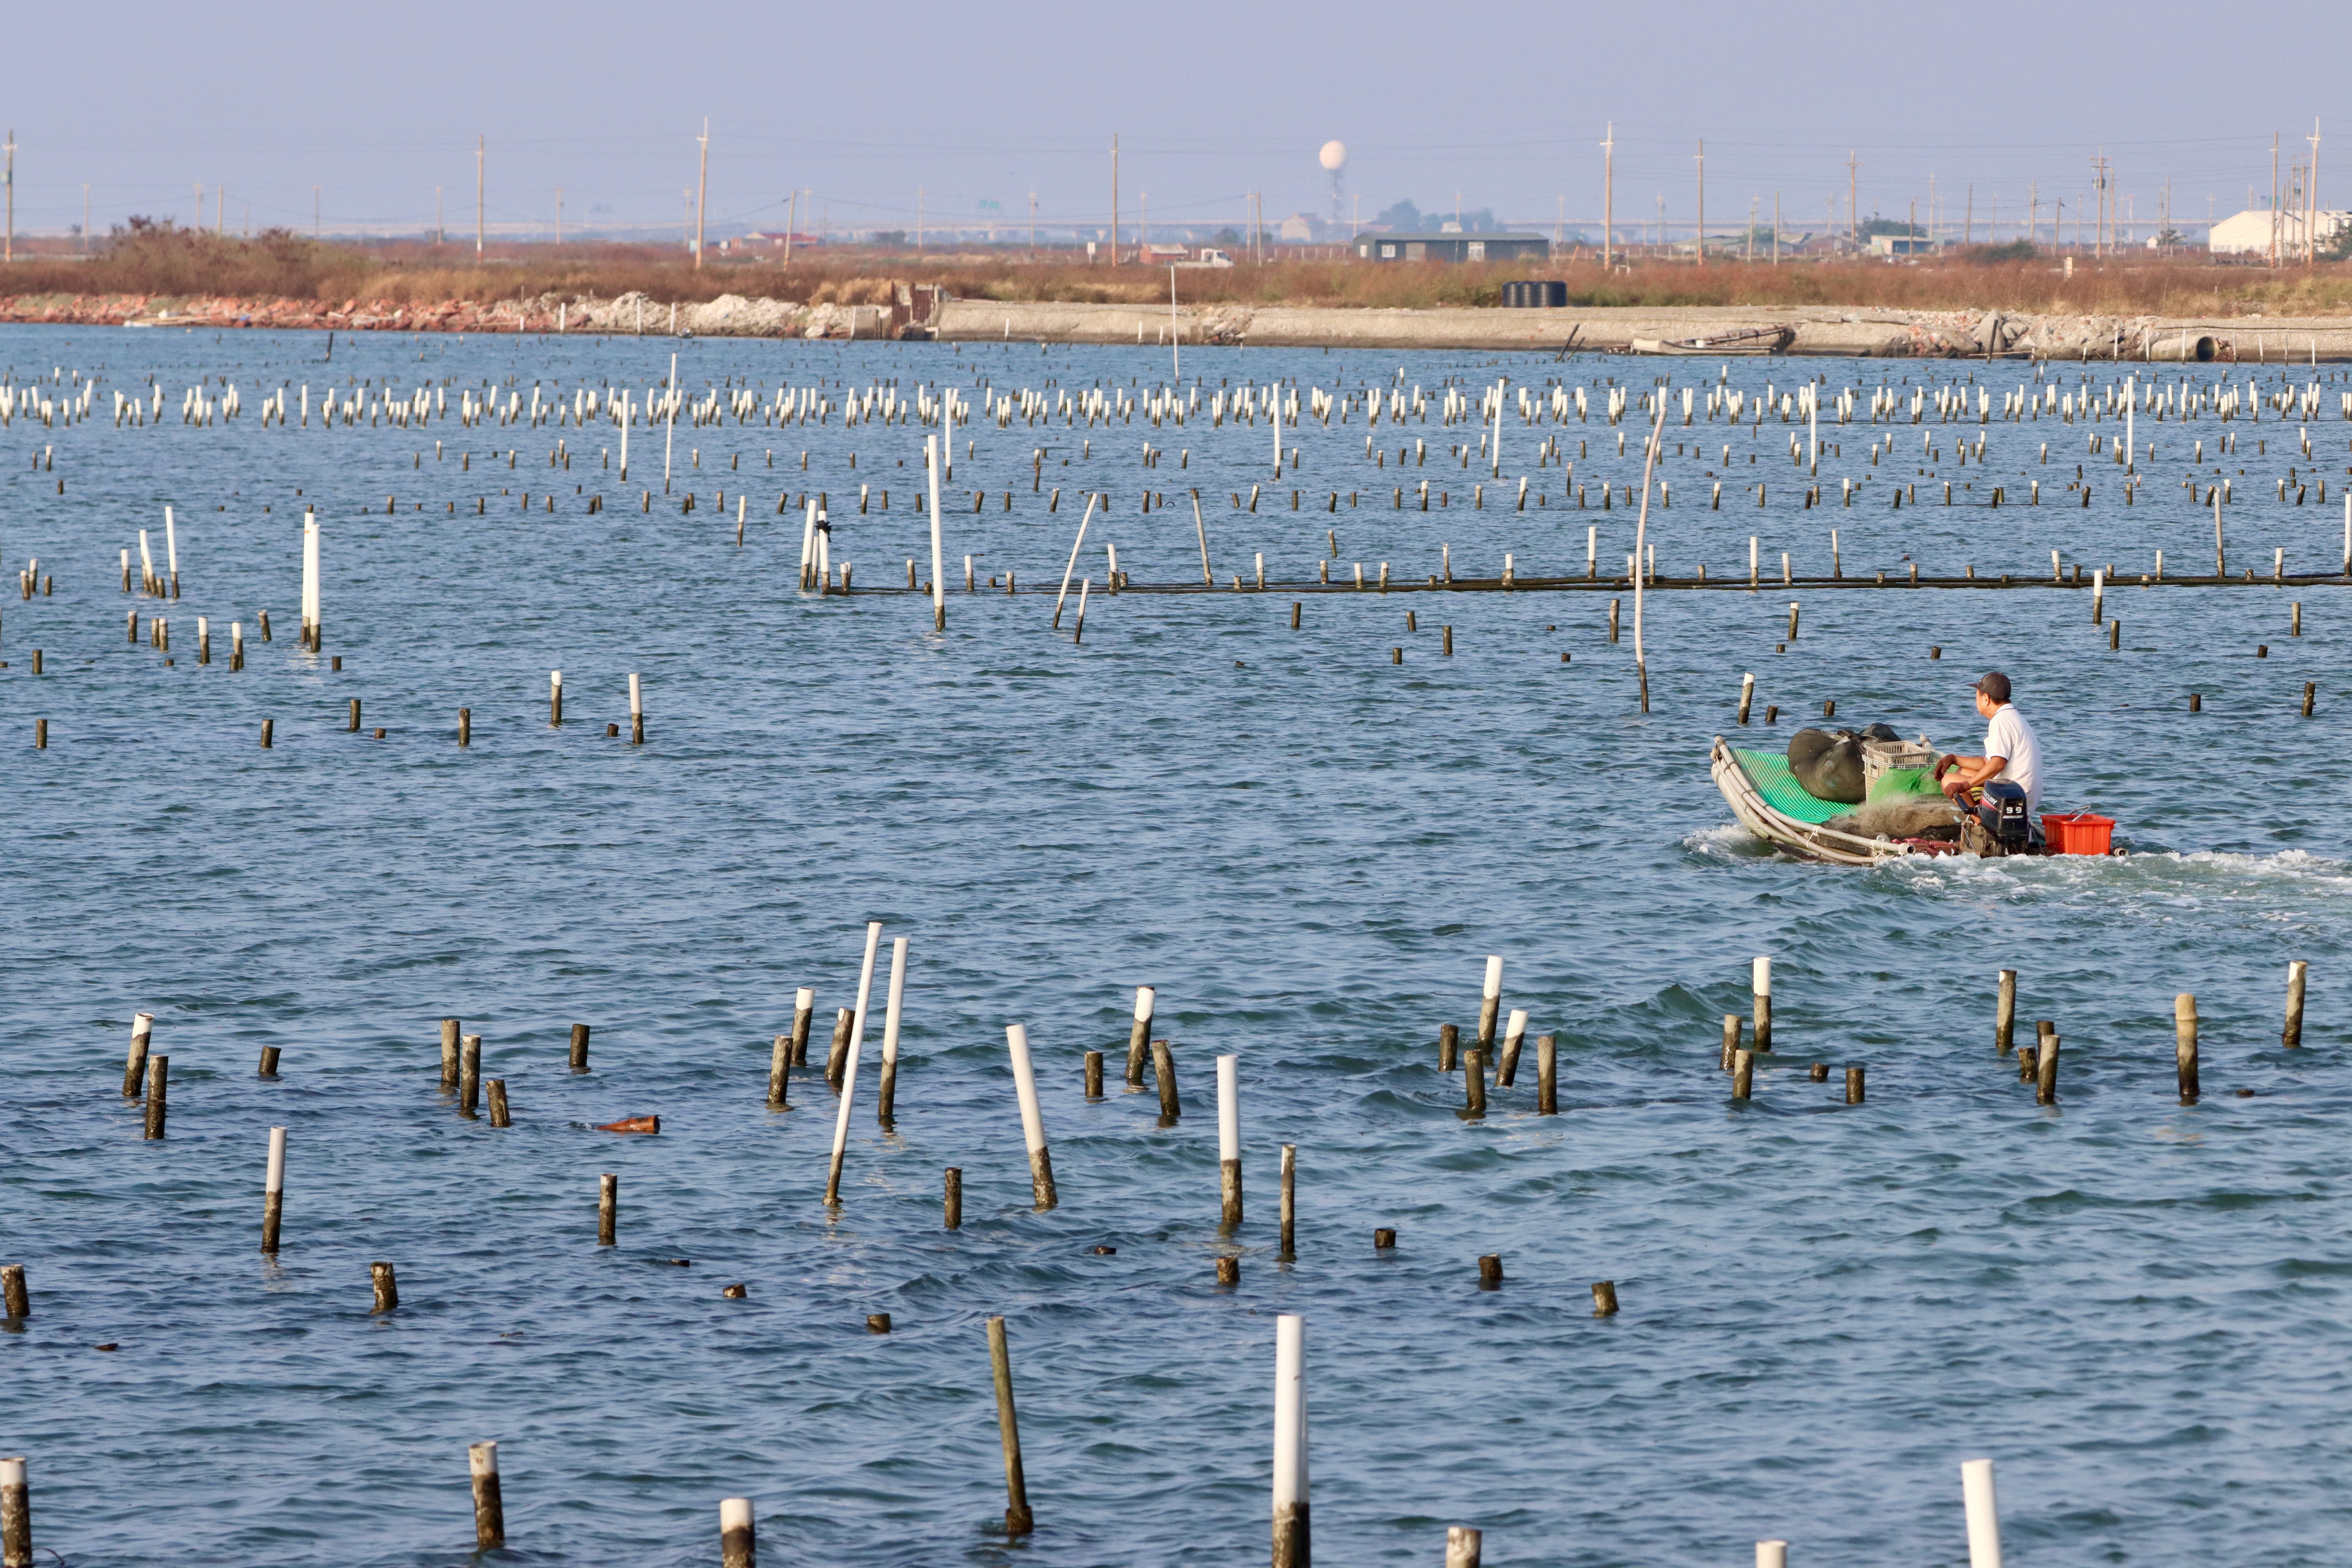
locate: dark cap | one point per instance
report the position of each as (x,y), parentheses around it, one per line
(1995,685)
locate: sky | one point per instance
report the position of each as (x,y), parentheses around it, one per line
(1500,107)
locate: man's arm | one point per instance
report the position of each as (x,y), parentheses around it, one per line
(1967,772)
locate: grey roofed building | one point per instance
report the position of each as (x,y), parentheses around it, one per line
(1502,245)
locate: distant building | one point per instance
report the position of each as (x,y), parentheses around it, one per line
(1504,246)
(2250,232)
(1893,244)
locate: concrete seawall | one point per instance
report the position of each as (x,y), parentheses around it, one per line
(916,311)
(1825,331)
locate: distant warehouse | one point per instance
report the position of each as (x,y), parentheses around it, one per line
(1453,247)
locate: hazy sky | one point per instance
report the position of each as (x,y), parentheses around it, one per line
(1503,103)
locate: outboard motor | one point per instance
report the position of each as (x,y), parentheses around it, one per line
(2004,816)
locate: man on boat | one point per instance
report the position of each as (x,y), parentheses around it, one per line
(2011,753)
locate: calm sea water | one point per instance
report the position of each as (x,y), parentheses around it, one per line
(2137,1309)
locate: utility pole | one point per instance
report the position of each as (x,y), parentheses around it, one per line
(2275,199)
(1752,204)
(558,215)
(1701,248)
(2033,212)
(1852,201)
(1033,223)
(1931,212)
(1776,228)
(9,253)
(702,192)
(1607,197)
(792,213)
(2311,200)
(1114,198)
(479,145)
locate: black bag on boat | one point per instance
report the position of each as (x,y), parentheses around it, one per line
(1828,767)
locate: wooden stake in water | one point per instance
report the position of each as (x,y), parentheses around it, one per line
(143,1031)
(1763,991)
(159,1078)
(2045,1072)
(780,1066)
(738,1545)
(803,1009)
(16,1514)
(1547,1075)
(1075,545)
(469,1077)
(579,1047)
(1139,1034)
(386,1286)
(837,1059)
(954,1216)
(489,1507)
(1229,1137)
(1490,1002)
(1515,1033)
(2184,1045)
(1289,1200)
(310,579)
(2292,1036)
(1983,1513)
(1018,1520)
(1291,1534)
(1462,1544)
(636,711)
(849,1067)
(13,1302)
(1731,1027)
(273,1191)
(1032,1126)
(887,1099)
(939,574)
(1163,1068)
(1641,551)
(2004,1016)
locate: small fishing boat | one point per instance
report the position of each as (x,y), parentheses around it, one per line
(1770,804)
(1746,340)
(1766,798)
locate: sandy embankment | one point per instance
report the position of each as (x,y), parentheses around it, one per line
(1814,330)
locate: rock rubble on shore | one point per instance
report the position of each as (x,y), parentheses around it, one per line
(919,311)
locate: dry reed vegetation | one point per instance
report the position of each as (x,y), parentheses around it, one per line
(163,259)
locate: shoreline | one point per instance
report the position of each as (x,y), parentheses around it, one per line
(923,313)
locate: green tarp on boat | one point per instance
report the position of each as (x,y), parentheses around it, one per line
(1783,794)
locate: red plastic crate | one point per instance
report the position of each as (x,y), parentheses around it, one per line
(2078,832)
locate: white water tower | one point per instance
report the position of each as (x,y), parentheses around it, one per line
(1334,159)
